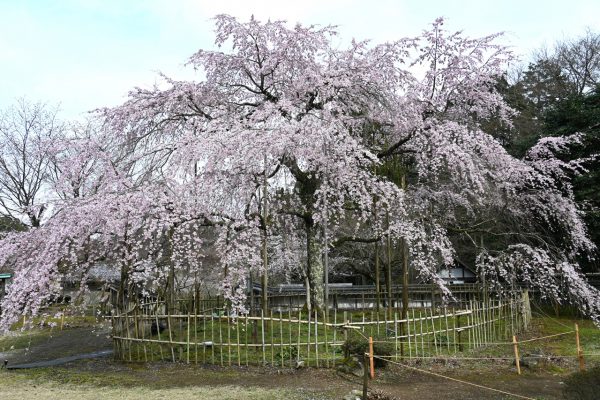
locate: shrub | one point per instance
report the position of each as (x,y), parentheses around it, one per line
(357,346)
(583,385)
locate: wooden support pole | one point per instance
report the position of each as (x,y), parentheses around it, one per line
(516,348)
(371,363)
(579,351)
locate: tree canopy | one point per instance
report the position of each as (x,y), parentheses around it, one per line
(285,132)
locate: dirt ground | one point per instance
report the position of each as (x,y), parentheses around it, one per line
(86,379)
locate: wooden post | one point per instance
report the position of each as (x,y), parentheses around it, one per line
(579,351)
(516,348)
(371,363)
(62,320)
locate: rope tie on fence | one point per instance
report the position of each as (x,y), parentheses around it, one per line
(458,380)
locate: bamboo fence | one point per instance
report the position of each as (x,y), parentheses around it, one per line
(146,332)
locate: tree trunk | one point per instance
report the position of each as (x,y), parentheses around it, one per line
(308,293)
(315,268)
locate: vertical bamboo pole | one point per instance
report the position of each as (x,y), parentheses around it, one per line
(326,350)
(170,336)
(371,361)
(281,339)
(579,351)
(298,348)
(290,335)
(345,319)
(447,330)
(455,321)
(478,323)
(228,320)
(272,339)
(212,336)
(237,339)
(396,334)
(435,342)
(220,339)
(204,337)
(158,331)
(308,341)
(334,335)
(366,374)
(469,332)
(415,332)
(195,333)
(317,337)
(421,332)
(516,349)
(246,329)
(128,343)
(408,336)
(262,325)
(188,338)
(484,312)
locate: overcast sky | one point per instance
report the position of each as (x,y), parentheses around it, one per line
(86,54)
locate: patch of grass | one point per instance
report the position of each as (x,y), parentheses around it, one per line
(23,340)
(17,386)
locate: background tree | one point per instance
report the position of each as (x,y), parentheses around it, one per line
(26,130)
